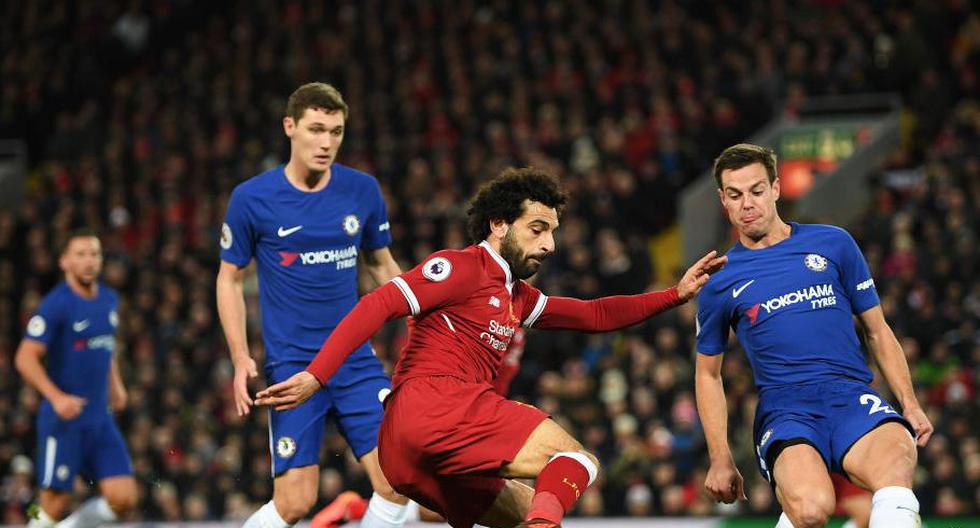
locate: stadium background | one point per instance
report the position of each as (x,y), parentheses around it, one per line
(140,117)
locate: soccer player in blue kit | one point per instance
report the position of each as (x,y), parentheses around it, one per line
(789,292)
(306,224)
(75,327)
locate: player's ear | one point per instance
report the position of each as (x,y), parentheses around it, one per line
(288,126)
(499,228)
(775,188)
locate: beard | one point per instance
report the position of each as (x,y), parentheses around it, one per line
(521,265)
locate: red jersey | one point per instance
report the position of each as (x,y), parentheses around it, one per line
(511,363)
(467,308)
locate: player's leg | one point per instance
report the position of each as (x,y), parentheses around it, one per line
(883,461)
(803,485)
(58,462)
(874,446)
(357,391)
(510,507)
(295,437)
(852,501)
(561,467)
(106,461)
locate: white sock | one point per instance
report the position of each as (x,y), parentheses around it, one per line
(850,524)
(784,522)
(412,513)
(43,520)
(894,507)
(91,513)
(382,513)
(266,517)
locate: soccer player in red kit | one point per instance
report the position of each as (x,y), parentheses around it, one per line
(447,439)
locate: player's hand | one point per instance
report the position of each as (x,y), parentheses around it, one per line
(290,393)
(725,483)
(67,406)
(245,369)
(697,275)
(920,422)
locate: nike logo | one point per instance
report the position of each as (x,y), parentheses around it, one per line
(286,232)
(738,291)
(78,326)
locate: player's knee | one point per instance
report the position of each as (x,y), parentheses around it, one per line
(122,501)
(813,511)
(295,505)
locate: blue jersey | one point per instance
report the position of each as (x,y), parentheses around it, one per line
(791,307)
(79,336)
(306,246)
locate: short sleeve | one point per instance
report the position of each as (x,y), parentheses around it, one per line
(238,231)
(444,278)
(44,324)
(856,276)
(377,233)
(712,324)
(533,305)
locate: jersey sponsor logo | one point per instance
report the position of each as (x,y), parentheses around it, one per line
(498,335)
(819,296)
(79,326)
(36,326)
(286,447)
(437,269)
(351,224)
(225,236)
(113,318)
(343,258)
(384,227)
(283,232)
(870,283)
(815,262)
(753,313)
(105,341)
(738,291)
(494,301)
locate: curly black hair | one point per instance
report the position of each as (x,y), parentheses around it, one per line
(502,198)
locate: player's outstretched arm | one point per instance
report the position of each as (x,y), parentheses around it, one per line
(606,314)
(28,363)
(723,482)
(887,351)
(231,310)
(372,311)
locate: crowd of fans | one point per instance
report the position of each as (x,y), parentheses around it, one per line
(140,117)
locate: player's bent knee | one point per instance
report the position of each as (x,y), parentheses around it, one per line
(812,509)
(294,505)
(121,502)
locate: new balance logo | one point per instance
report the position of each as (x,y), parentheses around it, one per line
(494,301)
(283,232)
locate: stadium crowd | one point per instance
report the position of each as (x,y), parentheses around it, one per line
(140,117)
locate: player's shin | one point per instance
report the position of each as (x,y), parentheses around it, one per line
(560,484)
(383,513)
(894,507)
(93,512)
(266,517)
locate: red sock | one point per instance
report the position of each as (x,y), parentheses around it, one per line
(558,487)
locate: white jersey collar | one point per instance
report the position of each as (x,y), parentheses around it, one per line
(500,260)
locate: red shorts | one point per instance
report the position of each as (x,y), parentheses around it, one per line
(443,440)
(845,489)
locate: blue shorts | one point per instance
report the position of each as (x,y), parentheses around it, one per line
(94,450)
(830,416)
(352,397)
